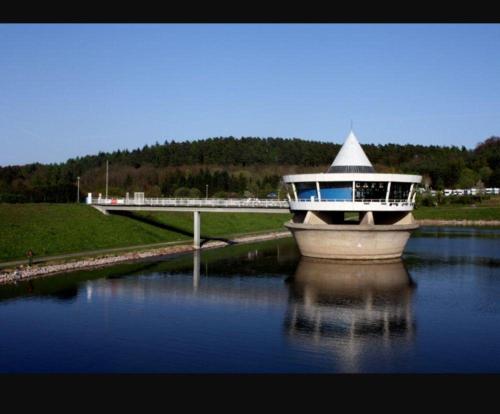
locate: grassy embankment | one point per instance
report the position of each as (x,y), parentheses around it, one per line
(486,210)
(457,213)
(52,229)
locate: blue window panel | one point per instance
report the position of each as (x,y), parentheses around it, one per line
(307,193)
(341,193)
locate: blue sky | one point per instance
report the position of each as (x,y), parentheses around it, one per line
(69,90)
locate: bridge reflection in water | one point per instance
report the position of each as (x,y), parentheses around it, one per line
(350,307)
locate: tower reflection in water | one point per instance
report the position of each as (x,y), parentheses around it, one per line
(350,307)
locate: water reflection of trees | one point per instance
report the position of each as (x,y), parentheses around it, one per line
(349,305)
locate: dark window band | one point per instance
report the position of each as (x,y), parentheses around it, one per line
(351,169)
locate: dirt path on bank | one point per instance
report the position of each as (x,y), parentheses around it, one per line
(87,253)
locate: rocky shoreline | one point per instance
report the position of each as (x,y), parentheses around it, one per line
(35,271)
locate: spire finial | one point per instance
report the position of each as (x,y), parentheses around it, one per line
(351,157)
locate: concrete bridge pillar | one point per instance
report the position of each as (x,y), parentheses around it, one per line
(196,229)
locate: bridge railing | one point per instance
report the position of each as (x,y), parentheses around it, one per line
(191,202)
(233,202)
(383,201)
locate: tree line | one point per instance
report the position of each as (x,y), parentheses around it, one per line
(231,167)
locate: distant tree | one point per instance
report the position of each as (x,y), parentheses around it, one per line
(467,179)
(220,194)
(182,192)
(479,185)
(154,191)
(194,193)
(439,184)
(485,173)
(426,181)
(128,182)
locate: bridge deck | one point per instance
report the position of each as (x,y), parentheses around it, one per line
(279,210)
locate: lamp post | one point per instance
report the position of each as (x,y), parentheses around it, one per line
(78,189)
(106,180)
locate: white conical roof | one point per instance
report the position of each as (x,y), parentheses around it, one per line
(351,157)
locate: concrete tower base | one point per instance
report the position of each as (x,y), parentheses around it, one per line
(351,241)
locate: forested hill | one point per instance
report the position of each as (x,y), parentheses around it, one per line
(237,167)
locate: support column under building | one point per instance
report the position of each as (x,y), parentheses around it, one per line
(196,229)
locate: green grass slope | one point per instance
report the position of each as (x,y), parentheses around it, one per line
(50,229)
(223,224)
(457,213)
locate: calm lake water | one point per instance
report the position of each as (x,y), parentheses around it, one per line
(263,308)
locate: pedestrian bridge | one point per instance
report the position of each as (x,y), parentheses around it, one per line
(196,205)
(235,205)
